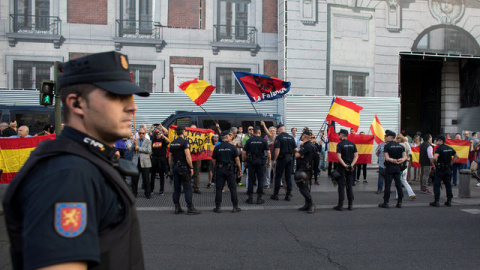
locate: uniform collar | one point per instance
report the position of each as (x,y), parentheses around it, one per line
(90,143)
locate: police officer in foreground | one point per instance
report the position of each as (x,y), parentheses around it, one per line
(256,154)
(69,207)
(303,174)
(347,158)
(395,155)
(225,160)
(443,165)
(284,148)
(180,162)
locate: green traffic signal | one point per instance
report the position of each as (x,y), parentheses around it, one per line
(46,93)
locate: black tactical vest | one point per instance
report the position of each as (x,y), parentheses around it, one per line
(424,160)
(120,246)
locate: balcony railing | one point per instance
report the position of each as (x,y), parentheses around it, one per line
(235,37)
(139,29)
(235,34)
(35,24)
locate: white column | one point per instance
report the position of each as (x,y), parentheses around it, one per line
(450,95)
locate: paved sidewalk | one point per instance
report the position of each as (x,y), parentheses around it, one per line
(324,196)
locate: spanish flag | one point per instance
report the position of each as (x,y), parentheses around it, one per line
(363,142)
(416,156)
(345,113)
(14,152)
(377,130)
(462,147)
(198,91)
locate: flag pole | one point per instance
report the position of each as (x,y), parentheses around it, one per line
(256,111)
(208,114)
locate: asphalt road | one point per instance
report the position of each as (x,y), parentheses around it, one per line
(370,238)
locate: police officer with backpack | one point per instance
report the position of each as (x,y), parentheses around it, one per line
(303,174)
(256,154)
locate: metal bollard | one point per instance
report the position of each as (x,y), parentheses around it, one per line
(464,184)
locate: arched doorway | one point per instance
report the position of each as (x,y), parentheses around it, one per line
(432,69)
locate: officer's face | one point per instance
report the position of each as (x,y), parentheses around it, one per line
(108,117)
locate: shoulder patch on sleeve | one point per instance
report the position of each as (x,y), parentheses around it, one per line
(70,219)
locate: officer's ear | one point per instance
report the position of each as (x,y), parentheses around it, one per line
(76,104)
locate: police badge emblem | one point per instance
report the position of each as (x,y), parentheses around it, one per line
(70,219)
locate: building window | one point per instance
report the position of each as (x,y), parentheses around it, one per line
(136,17)
(349,83)
(29,75)
(143,76)
(226,82)
(233,19)
(32,15)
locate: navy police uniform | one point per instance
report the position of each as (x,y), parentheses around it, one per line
(284,163)
(303,174)
(224,155)
(255,148)
(347,149)
(393,171)
(69,202)
(159,162)
(443,172)
(181,171)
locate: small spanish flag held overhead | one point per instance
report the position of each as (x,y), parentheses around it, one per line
(377,130)
(198,91)
(416,156)
(345,113)
(14,152)
(462,147)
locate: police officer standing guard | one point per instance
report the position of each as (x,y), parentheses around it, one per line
(225,159)
(284,148)
(443,157)
(394,156)
(303,174)
(254,155)
(69,207)
(347,158)
(180,162)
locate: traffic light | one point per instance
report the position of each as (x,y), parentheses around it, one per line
(46,93)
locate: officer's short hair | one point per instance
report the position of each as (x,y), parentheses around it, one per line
(81,90)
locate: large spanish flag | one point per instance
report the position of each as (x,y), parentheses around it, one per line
(363,142)
(345,113)
(416,156)
(377,130)
(200,139)
(14,152)
(198,91)
(462,147)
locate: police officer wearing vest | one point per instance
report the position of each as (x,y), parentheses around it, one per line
(347,158)
(443,173)
(303,174)
(256,154)
(180,162)
(284,148)
(226,161)
(69,207)
(395,155)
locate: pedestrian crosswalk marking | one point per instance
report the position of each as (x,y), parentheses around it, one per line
(472,211)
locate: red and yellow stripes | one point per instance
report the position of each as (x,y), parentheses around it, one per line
(364,144)
(345,113)
(14,152)
(198,91)
(200,139)
(377,130)
(416,156)
(462,147)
